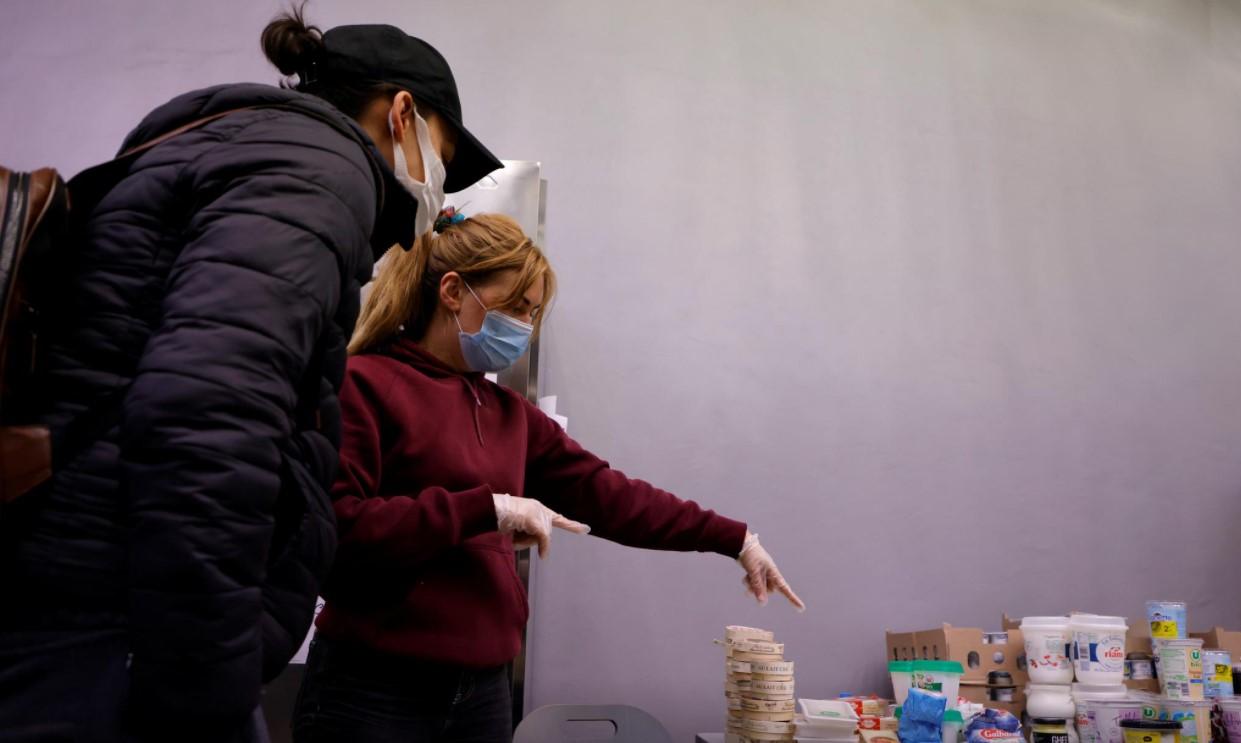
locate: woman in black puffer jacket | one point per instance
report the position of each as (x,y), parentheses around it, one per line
(172,563)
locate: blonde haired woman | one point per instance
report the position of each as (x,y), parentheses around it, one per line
(440,470)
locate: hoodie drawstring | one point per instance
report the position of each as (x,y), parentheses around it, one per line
(478,403)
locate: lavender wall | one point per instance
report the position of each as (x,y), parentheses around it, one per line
(940,296)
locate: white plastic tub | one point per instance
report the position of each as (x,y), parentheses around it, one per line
(1048,649)
(828,718)
(902,672)
(1105,718)
(939,677)
(1050,701)
(1099,649)
(1083,695)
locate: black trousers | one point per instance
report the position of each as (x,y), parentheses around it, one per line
(72,687)
(352,695)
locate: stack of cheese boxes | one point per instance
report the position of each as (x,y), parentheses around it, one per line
(758,685)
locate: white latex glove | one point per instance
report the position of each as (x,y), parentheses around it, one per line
(531,522)
(762,575)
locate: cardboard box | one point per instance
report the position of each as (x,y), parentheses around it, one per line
(1218,638)
(1151,685)
(1138,644)
(965,646)
(1138,638)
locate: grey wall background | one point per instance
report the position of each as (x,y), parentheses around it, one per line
(941,296)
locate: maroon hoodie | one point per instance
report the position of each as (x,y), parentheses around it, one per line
(421,571)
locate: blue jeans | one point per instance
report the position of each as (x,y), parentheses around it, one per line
(352,695)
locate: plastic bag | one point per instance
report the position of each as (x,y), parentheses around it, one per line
(994,726)
(922,717)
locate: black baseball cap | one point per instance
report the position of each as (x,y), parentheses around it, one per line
(386,54)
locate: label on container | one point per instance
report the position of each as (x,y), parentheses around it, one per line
(772,686)
(759,705)
(1050,652)
(1165,629)
(1232,722)
(1183,689)
(1218,680)
(761,647)
(1167,619)
(781,696)
(1105,718)
(779,667)
(1084,729)
(1180,672)
(765,726)
(1189,724)
(1100,651)
(928,681)
(1060,736)
(1217,672)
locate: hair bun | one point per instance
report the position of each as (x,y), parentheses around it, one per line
(290,44)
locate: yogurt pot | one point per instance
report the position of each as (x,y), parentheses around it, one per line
(1195,719)
(939,676)
(1167,620)
(1105,718)
(1082,696)
(1048,641)
(1047,701)
(953,722)
(1180,670)
(902,672)
(1230,708)
(1217,673)
(1139,668)
(1098,649)
(1151,731)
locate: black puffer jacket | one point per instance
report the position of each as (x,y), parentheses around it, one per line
(212,294)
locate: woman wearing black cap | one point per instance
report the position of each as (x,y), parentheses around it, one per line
(171,564)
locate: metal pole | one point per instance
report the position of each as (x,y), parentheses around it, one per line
(523,378)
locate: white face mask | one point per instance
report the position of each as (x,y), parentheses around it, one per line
(429,195)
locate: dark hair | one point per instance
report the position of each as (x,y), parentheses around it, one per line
(294,48)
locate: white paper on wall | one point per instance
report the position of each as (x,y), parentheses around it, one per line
(304,651)
(548,406)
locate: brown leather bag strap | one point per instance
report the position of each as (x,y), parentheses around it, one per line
(91,184)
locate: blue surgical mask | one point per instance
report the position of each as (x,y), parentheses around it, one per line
(498,344)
